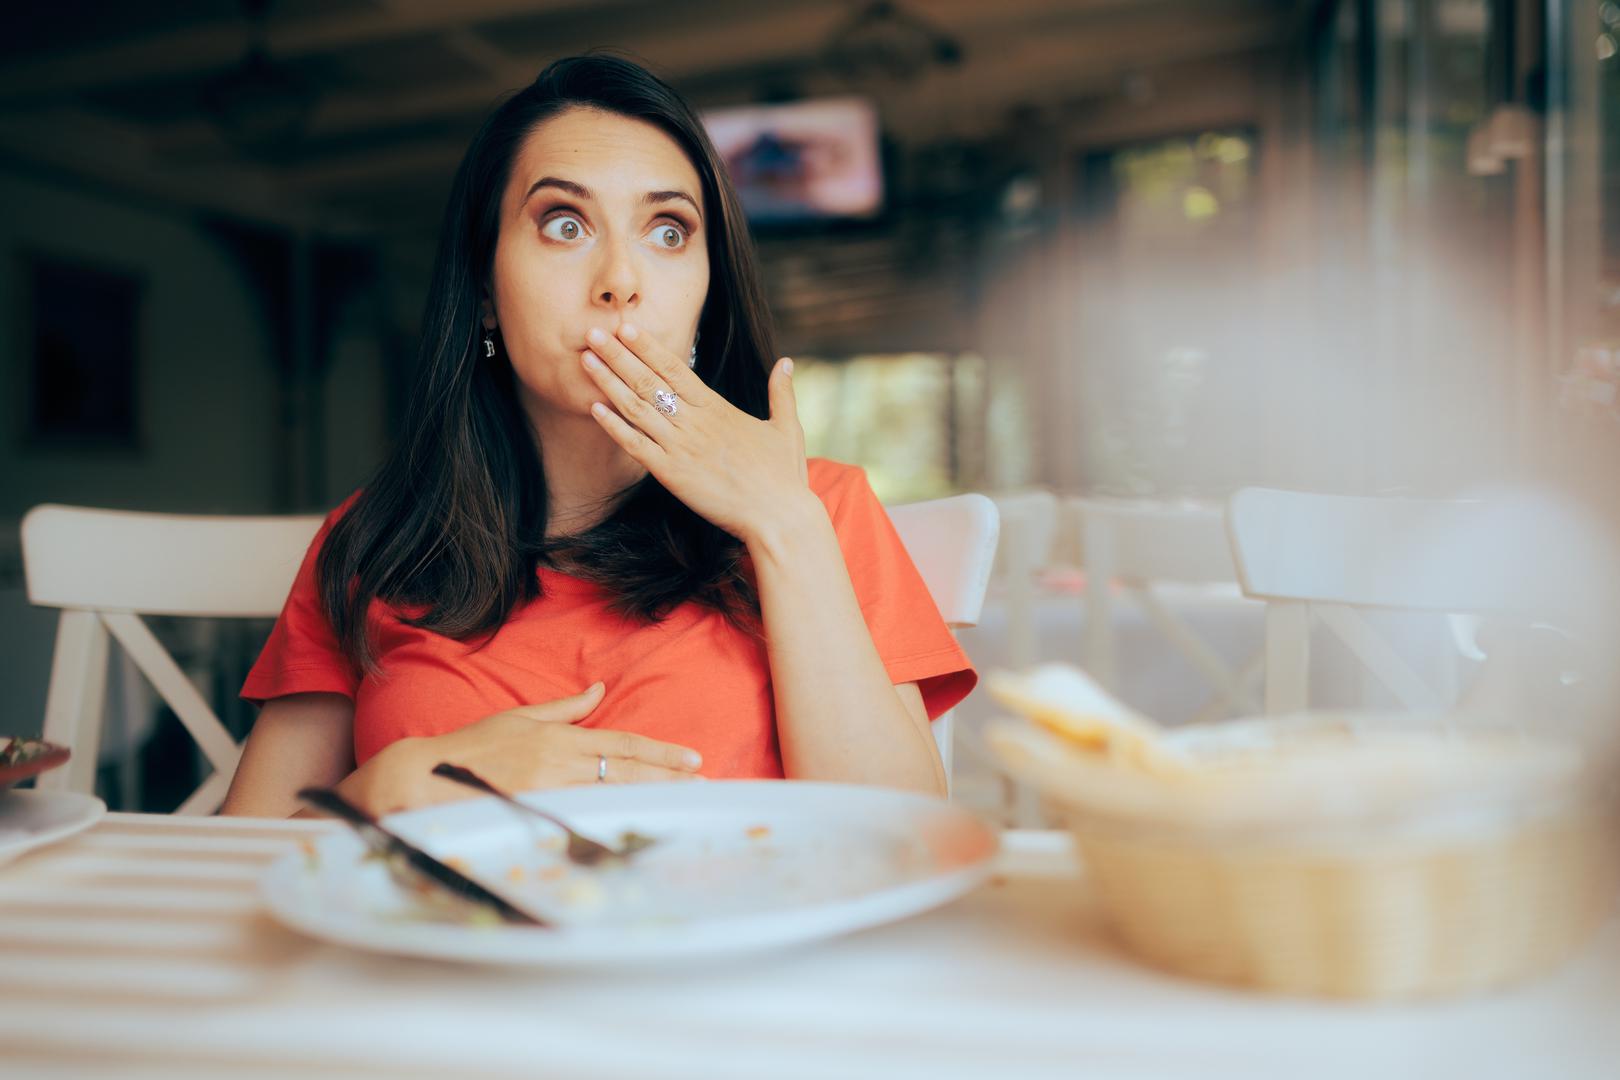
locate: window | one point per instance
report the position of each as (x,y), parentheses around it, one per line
(1166,306)
(923,425)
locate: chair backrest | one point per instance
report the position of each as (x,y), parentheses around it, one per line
(1029,523)
(1327,558)
(1142,541)
(1137,546)
(105,569)
(953,543)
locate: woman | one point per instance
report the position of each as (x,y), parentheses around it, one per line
(598,553)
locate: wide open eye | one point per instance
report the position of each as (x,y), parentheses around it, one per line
(669,235)
(564,227)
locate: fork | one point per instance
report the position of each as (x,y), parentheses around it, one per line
(581,849)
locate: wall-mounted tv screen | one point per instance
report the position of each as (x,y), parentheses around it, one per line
(802,161)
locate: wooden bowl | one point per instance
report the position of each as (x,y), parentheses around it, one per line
(1283,883)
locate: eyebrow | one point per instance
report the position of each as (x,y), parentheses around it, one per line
(579,191)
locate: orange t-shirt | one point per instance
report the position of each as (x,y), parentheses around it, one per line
(691,679)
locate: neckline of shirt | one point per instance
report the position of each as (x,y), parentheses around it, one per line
(555,581)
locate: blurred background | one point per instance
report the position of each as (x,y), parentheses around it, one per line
(1144,250)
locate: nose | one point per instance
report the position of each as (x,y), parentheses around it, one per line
(617,284)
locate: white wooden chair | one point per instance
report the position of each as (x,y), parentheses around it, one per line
(1029,528)
(105,569)
(1141,546)
(953,543)
(1029,522)
(1334,559)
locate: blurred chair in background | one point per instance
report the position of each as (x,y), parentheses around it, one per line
(1029,522)
(953,543)
(1135,549)
(1516,557)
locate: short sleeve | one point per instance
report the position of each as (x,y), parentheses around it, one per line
(303,655)
(911,636)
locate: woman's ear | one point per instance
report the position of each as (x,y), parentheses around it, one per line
(486,311)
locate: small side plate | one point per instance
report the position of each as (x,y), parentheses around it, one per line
(22,758)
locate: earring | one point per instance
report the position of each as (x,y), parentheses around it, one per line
(489,344)
(691,358)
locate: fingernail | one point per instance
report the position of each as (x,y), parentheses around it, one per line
(787,366)
(592,360)
(596,335)
(628,331)
(692,760)
(596,686)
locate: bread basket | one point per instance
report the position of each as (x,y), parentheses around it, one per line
(1340,854)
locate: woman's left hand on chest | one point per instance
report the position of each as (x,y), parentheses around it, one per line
(741,473)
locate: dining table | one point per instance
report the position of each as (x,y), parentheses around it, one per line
(141,947)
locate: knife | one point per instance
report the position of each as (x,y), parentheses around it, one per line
(387,843)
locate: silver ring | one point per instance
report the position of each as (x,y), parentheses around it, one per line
(666,402)
(601,769)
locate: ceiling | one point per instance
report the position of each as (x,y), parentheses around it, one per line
(371,102)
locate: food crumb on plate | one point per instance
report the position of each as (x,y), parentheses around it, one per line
(582,891)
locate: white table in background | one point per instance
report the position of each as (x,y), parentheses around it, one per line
(140,948)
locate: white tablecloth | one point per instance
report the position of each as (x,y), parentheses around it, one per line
(140,949)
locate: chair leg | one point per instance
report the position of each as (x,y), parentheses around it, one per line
(129,723)
(945,739)
(208,798)
(76,700)
(1288,656)
(1391,671)
(1241,699)
(1023,636)
(1097,632)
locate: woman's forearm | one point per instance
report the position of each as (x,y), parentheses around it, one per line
(838,716)
(298,741)
(384,784)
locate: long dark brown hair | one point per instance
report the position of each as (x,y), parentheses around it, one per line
(452,525)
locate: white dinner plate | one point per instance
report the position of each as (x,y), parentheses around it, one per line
(31,819)
(739,866)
